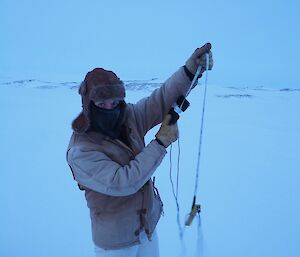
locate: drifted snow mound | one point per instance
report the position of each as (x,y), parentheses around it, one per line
(145,85)
(148,85)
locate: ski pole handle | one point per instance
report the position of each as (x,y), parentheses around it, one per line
(174,116)
(180,106)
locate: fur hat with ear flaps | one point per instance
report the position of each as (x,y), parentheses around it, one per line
(99,84)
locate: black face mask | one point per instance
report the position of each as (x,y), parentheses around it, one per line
(108,122)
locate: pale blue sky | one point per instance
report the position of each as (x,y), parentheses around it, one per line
(254,42)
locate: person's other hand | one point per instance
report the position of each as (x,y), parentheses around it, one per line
(199,58)
(167,134)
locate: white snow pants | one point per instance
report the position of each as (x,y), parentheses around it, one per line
(145,249)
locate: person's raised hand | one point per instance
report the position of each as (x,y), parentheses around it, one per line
(199,58)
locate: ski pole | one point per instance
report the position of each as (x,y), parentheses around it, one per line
(196,208)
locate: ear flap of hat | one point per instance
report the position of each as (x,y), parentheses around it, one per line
(82,88)
(80,124)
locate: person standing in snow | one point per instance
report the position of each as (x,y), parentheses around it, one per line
(111,163)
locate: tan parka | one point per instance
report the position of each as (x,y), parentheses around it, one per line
(117,178)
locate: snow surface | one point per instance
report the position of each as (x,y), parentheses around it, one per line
(249,176)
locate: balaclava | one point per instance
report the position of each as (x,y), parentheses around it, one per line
(109,122)
(99,84)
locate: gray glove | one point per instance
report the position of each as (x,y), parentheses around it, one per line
(167,134)
(199,58)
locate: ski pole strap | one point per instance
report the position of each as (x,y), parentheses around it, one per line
(195,79)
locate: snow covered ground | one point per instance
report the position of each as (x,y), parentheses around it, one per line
(249,183)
